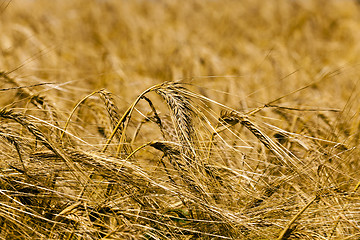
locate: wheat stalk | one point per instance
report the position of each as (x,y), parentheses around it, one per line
(73,111)
(287,228)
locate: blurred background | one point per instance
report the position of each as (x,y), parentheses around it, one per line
(251,50)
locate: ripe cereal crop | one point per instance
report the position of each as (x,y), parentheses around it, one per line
(169,119)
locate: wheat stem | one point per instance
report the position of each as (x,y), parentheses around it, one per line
(73,111)
(287,227)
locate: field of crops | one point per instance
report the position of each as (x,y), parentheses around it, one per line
(170,119)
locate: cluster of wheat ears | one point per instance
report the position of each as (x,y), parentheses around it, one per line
(201,173)
(100,139)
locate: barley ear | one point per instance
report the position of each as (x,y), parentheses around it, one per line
(181,113)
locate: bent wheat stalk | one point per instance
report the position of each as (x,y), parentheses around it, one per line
(73,111)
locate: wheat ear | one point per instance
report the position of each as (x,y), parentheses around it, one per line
(181,113)
(22,120)
(111,107)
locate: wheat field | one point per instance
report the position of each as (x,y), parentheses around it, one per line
(169,119)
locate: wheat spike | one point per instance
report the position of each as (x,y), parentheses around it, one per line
(111,107)
(181,113)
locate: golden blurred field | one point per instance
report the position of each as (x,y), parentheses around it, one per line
(169,119)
